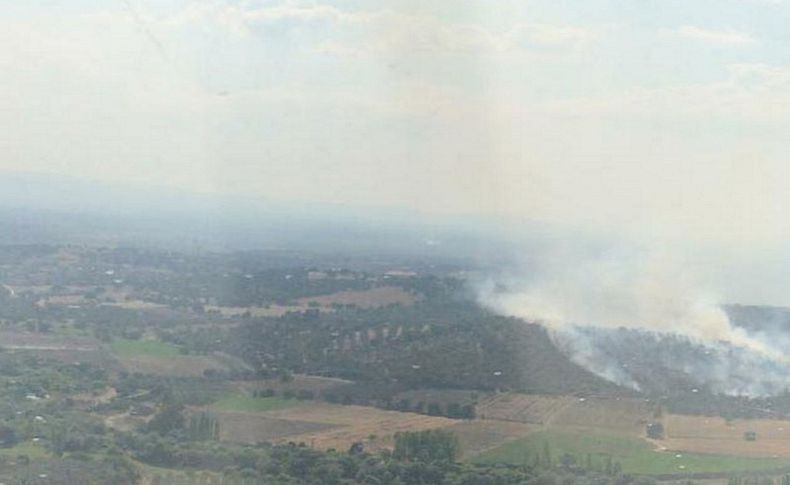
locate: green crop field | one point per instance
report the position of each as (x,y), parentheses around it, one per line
(633,454)
(125,347)
(248,404)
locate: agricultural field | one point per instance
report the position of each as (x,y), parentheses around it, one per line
(596,430)
(443,397)
(160,358)
(298,382)
(17,290)
(57,346)
(272,310)
(372,298)
(321,425)
(522,408)
(478,436)
(126,347)
(627,415)
(151,475)
(179,366)
(620,413)
(372,426)
(252,428)
(634,455)
(46,342)
(28,448)
(716,435)
(78,296)
(136,305)
(63,300)
(248,404)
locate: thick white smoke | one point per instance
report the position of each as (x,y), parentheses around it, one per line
(649,290)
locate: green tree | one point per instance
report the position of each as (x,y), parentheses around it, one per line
(546,458)
(427,446)
(170,418)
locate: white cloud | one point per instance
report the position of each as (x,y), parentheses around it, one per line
(545,34)
(750,92)
(291,11)
(376,32)
(728,36)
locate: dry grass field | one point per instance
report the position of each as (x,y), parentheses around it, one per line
(627,415)
(256,427)
(372,298)
(479,436)
(299,382)
(160,358)
(63,300)
(373,426)
(65,348)
(136,305)
(254,311)
(47,342)
(324,426)
(612,413)
(442,396)
(176,365)
(716,435)
(589,425)
(522,408)
(31,289)
(75,296)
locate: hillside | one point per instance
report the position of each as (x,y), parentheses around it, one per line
(439,343)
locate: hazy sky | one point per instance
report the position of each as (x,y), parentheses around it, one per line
(661,118)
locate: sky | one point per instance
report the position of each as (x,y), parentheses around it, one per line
(655,119)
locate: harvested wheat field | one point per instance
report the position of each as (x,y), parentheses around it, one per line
(522,408)
(716,435)
(627,415)
(372,298)
(255,427)
(338,426)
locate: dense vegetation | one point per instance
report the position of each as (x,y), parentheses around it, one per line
(442,343)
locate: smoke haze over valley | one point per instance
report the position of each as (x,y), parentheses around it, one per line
(618,312)
(585,288)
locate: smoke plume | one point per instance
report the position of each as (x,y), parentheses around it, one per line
(583,296)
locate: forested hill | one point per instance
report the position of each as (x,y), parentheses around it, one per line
(443,342)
